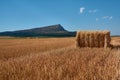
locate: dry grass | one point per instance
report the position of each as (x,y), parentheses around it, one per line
(58,60)
(11,48)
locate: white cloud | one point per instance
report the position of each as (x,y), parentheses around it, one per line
(82,10)
(93,11)
(107,17)
(97,19)
(111,17)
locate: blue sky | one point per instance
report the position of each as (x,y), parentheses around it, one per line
(71,14)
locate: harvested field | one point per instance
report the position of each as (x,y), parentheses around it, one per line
(57,59)
(11,48)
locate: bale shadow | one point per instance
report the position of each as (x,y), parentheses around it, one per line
(115,47)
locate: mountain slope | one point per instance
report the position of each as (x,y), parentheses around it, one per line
(49,31)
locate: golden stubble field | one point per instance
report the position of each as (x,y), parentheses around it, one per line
(57,59)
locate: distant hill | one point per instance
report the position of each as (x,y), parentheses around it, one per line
(46,31)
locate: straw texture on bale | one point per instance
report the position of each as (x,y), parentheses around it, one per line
(93,39)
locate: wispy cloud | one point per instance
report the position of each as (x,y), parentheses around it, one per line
(111,17)
(97,19)
(82,10)
(107,17)
(93,11)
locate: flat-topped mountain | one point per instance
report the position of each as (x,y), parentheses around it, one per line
(48,31)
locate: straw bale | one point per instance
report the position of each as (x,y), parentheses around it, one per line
(78,39)
(87,42)
(102,39)
(93,39)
